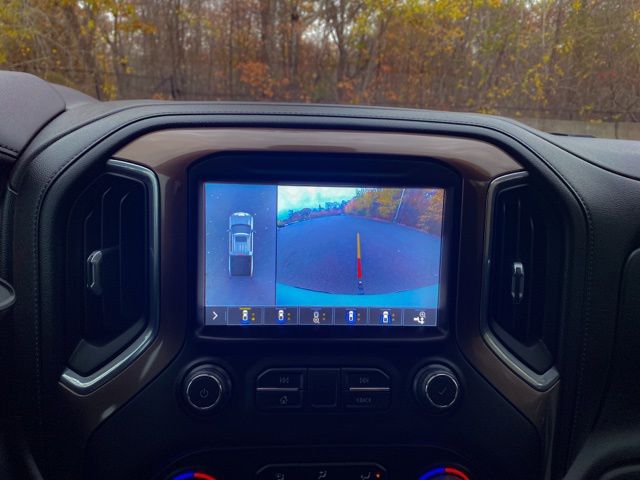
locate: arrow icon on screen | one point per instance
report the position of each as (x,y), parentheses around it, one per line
(214,315)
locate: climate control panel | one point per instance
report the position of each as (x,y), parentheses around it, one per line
(343,471)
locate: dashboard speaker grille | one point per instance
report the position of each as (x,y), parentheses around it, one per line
(108,270)
(524,281)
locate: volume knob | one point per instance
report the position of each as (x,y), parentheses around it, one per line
(206,388)
(437,387)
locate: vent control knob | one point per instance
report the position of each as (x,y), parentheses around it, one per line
(206,388)
(437,388)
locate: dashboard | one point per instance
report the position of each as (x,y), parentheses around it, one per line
(295,292)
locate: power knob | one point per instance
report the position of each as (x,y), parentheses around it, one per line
(437,388)
(206,388)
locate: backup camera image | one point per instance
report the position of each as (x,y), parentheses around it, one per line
(240,244)
(316,247)
(373,247)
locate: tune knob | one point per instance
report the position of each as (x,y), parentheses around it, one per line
(206,388)
(437,387)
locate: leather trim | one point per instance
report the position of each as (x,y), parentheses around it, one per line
(27,104)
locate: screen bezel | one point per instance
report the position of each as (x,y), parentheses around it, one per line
(301,168)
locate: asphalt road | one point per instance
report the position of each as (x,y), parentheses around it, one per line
(320,255)
(221,201)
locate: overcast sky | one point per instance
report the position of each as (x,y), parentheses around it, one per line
(296,198)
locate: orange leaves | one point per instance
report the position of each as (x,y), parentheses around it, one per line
(520,57)
(255,75)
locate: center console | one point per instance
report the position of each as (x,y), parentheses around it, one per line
(320,316)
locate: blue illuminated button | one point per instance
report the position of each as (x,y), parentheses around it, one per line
(244,316)
(386,317)
(280,316)
(351,316)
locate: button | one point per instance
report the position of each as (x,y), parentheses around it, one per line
(279,399)
(280,316)
(423,317)
(203,392)
(206,388)
(442,390)
(351,316)
(437,387)
(364,472)
(385,317)
(244,316)
(331,471)
(316,316)
(323,387)
(367,400)
(215,316)
(365,378)
(280,472)
(281,378)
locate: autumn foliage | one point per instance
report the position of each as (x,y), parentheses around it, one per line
(572,59)
(415,208)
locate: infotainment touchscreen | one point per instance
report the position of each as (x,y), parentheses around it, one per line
(296,255)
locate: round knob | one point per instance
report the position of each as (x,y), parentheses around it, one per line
(206,388)
(444,473)
(437,387)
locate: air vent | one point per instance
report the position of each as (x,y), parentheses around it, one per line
(109,269)
(524,275)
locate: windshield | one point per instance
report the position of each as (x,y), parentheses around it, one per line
(566,66)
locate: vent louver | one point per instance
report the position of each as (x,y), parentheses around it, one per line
(108,267)
(524,277)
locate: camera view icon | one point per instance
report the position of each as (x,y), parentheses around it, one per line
(280,316)
(316,316)
(244,316)
(386,316)
(351,317)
